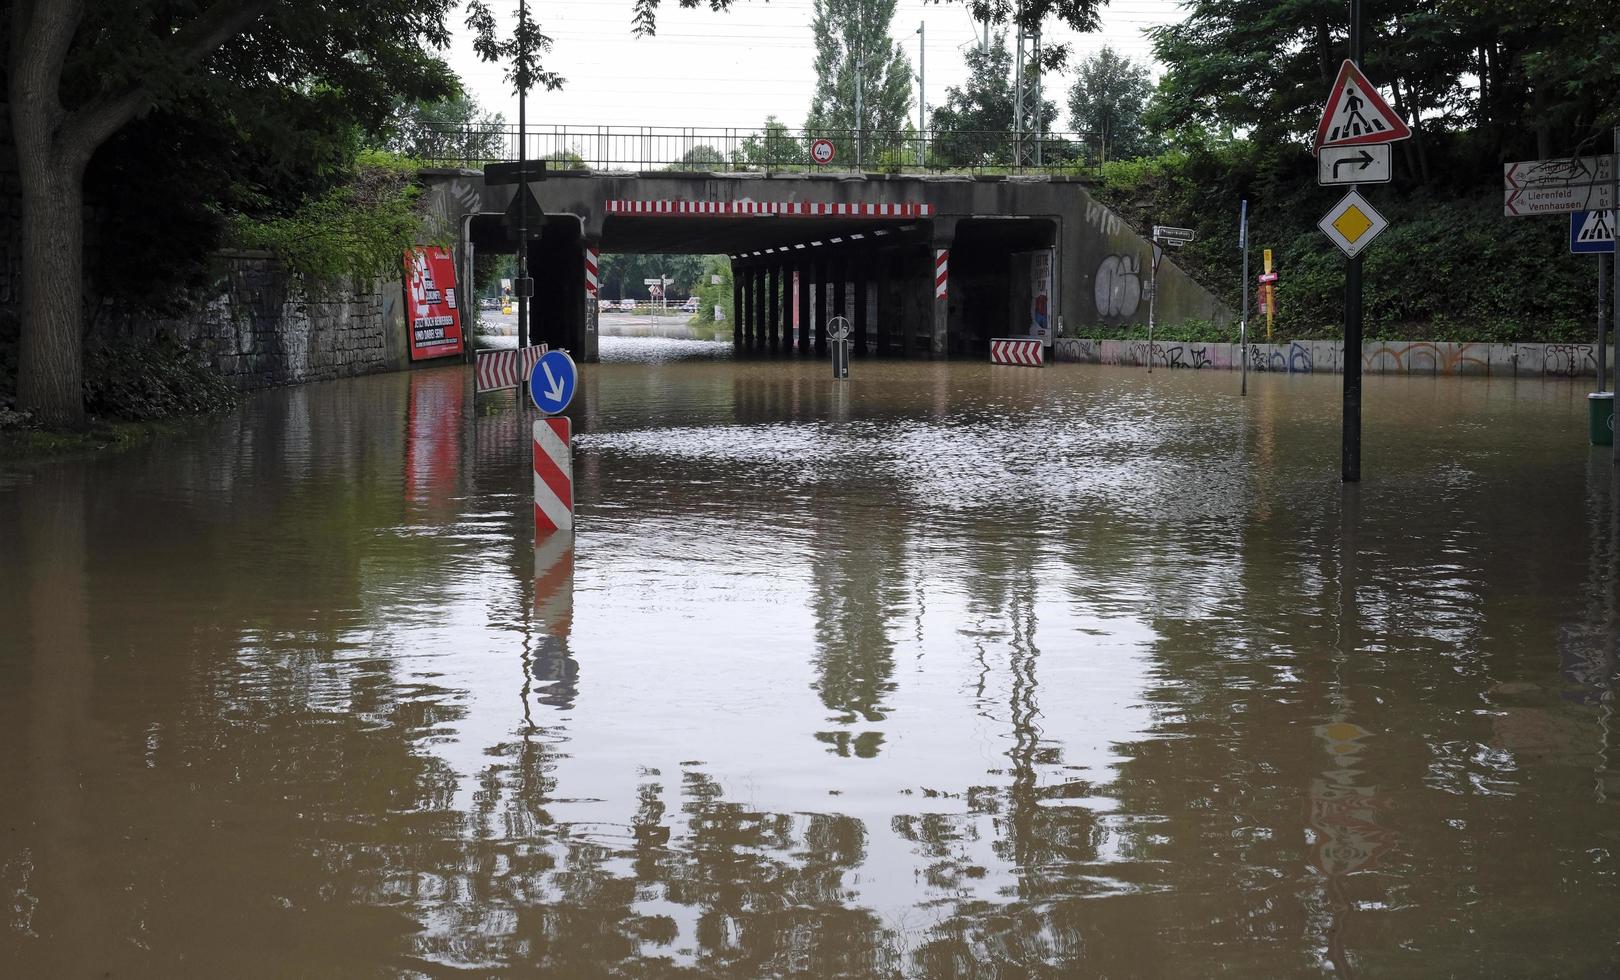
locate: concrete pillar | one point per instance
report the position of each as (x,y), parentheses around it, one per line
(819,326)
(773,315)
(785,304)
(805,332)
(860,275)
(939,291)
(590,343)
(888,306)
(758,308)
(736,306)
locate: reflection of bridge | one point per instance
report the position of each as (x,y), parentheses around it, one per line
(921,265)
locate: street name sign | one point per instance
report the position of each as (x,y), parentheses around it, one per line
(1352,224)
(1356,114)
(496,174)
(1367,164)
(1558,172)
(1557,199)
(1173,236)
(552,382)
(1591,232)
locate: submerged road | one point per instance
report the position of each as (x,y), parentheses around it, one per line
(949,671)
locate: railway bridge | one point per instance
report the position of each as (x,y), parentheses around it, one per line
(922,265)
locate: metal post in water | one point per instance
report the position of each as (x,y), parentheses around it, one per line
(1615,278)
(1350,447)
(1603,324)
(1243,324)
(1153,297)
(523,195)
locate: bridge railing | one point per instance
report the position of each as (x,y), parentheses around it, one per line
(751,150)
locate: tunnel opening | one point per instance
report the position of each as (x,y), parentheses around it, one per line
(996,278)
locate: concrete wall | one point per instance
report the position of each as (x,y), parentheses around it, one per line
(259,326)
(1325,356)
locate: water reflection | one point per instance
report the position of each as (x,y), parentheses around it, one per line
(947,671)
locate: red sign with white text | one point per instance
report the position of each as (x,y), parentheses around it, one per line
(430,303)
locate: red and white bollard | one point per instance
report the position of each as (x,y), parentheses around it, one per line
(553,477)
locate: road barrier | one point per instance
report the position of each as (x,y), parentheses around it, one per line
(1017,351)
(553,477)
(498,369)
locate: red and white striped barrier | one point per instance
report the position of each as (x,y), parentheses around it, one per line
(592,255)
(941,272)
(554,583)
(553,477)
(1024,353)
(745,209)
(498,369)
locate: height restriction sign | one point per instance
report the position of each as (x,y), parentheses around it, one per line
(1356,114)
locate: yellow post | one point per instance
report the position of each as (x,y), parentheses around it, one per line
(1271,296)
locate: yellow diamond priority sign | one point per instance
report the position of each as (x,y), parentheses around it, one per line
(1352,224)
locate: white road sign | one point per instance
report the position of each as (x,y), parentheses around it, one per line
(1173,236)
(1557,199)
(838,327)
(1356,115)
(1353,164)
(1561,172)
(1352,224)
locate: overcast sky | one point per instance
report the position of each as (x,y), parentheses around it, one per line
(705,69)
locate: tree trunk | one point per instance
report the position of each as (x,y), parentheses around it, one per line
(50,368)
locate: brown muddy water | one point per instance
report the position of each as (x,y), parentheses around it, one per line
(950,671)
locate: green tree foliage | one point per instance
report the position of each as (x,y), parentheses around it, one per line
(1521,79)
(293,87)
(974,126)
(622,276)
(1106,105)
(700,157)
(711,294)
(773,149)
(854,51)
(456,129)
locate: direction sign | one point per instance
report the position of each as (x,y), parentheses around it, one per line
(552,382)
(1352,224)
(1557,199)
(1591,232)
(1353,164)
(1559,172)
(838,327)
(1173,236)
(1356,114)
(822,151)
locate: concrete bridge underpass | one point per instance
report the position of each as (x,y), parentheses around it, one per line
(922,266)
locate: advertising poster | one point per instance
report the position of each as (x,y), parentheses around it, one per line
(1040,292)
(430,303)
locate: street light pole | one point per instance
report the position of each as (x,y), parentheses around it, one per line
(922,95)
(523,184)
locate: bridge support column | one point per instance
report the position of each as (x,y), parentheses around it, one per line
(739,316)
(590,344)
(802,267)
(888,304)
(939,286)
(840,303)
(819,326)
(773,311)
(859,277)
(785,304)
(758,308)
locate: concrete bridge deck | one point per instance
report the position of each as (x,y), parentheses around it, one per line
(929,266)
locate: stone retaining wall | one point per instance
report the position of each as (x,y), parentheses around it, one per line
(260,327)
(1327,356)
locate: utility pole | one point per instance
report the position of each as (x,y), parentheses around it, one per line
(922,95)
(1243,286)
(1027,98)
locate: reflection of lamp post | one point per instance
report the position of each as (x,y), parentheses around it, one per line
(525,285)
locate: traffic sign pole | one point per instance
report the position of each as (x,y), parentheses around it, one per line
(1243,324)
(1350,448)
(1615,278)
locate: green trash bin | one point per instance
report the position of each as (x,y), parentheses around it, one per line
(1600,417)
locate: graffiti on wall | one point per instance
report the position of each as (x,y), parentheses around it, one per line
(1423,357)
(1103,219)
(1118,286)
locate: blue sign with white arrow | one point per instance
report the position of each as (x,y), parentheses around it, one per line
(1591,232)
(552,382)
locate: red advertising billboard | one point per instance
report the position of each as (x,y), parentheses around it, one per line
(430,303)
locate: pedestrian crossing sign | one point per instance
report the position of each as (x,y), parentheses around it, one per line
(1591,232)
(1356,114)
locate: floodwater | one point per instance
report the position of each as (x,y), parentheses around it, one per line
(947,671)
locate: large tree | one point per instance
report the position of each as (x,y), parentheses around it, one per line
(456,129)
(1106,104)
(79,71)
(863,80)
(974,126)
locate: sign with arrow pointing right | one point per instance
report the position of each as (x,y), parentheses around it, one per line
(1365,164)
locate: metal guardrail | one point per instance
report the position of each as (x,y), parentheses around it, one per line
(748,150)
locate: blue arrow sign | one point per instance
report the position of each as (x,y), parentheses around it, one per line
(552,382)
(1591,232)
